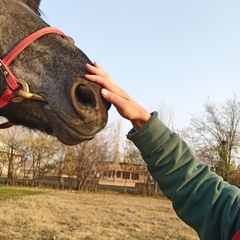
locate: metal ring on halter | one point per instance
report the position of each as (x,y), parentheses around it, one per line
(25,94)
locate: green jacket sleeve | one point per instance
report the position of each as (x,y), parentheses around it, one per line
(200,197)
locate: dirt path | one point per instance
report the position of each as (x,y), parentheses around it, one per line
(59,215)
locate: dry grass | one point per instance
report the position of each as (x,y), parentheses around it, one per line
(102,216)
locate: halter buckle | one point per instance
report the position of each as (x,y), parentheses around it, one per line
(3,69)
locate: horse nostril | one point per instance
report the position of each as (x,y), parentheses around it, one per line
(85,96)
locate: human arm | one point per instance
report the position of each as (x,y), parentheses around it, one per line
(200,197)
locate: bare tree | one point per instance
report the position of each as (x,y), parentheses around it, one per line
(166,115)
(3,161)
(216,135)
(66,166)
(11,151)
(89,157)
(41,151)
(116,139)
(83,162)
(133,156)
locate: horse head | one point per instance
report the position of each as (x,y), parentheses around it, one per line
(53,68)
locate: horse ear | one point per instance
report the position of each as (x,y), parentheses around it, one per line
(36,3)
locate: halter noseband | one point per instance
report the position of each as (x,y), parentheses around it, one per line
(14,83)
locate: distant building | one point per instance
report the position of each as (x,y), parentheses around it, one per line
(122,170)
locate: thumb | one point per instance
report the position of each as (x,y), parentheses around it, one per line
(104,92)
(107,95)
(110,97)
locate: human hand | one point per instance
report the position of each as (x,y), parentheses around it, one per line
(124,104)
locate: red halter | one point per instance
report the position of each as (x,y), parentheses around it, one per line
(11,80)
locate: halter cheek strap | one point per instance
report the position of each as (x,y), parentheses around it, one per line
(11,80)
(28,40)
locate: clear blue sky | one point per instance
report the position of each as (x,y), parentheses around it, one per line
(174,52)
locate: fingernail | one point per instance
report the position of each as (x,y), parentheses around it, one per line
(104,92)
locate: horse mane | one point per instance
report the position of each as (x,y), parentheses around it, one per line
(34,5)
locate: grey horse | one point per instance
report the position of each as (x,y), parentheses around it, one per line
(60,101)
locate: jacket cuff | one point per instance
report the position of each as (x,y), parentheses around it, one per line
(151,137)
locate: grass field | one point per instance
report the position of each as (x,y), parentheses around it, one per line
(9,193)
(63,215)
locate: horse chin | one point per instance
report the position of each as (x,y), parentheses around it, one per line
(71,137)
(67,135)
(72,131)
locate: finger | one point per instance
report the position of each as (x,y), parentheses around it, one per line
(95,78)
(110,85)
(97,65)
(92,69)
(96,70)
(116,100)
(104,80)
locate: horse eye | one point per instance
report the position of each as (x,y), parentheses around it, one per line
(70,40)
